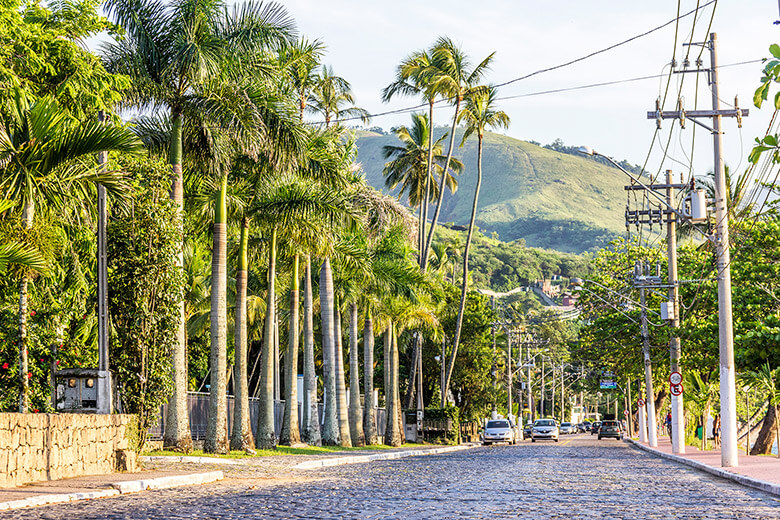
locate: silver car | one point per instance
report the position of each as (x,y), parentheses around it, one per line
(544,429)
(499,430)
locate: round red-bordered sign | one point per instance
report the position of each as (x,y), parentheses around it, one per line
(675,378)
(625,412)
(641,402)
(676,390)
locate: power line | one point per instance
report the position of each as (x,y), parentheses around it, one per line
(547,69)
(601,51)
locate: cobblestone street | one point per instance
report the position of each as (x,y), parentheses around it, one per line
(577,478)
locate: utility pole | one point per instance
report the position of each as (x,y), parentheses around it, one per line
(104,376)
(630,416)
(508,372)
(728,411)
(640,410)
(563,398)
(678,426)
(531,408)
(494,371)
(728,387)
(650,395)
(541,409)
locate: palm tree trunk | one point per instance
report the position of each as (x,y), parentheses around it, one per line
(427,198)
(436,212)
(266,435)
(464,286)
(341,391)
(277,378)
(290,433)
(393,400)
(369,421)
(330,427)
(216,429)
(177,425)
(355,413)
(311,419)
(241,437)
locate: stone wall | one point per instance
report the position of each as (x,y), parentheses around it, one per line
(38,447)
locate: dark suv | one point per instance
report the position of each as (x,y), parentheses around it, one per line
(611,429)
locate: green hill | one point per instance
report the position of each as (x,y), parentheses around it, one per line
(550,199)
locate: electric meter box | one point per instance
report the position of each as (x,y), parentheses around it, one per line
(79,389)
(667,310)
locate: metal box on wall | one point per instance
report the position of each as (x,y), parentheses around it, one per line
(80,389)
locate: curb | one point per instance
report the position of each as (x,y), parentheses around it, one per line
(761,485)
(358,459)
(134,486)
(42,500)
(118,488)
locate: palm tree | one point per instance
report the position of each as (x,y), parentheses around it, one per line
(291,203)
(332,98)
(45,160)
(310,431)
(700,393)
(765,379)
(408,167)
(171,52)
(452,76)
(413,77)
(479,113)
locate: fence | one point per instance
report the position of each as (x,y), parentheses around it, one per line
(198,410)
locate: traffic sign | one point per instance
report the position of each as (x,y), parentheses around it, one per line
(625,412)
(676,390)
(675,378)
(641,402)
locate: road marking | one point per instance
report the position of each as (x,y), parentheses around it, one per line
(567,442)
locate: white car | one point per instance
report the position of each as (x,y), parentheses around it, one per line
(544,429)
(567,428)
(499,430)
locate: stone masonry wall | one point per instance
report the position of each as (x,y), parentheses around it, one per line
(38,447)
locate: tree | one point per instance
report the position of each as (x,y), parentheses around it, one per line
(451,76)
(146,286)
(767,380)
(332,98)
(171,52)
(408,167)
(479,113)
(47,159)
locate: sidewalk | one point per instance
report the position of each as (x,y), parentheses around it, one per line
(759,472)
(99,486)
(164,472)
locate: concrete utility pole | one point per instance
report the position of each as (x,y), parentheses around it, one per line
(541,409)
(508,372)
(728,401)
(494,370)
(728,388)
(650,395)
(104,376)
(531,408)
(563,398)
(678,425)
(640,410)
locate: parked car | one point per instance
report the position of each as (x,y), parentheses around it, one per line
(594,427)
(567,428)
(527,430)
(499,430)
(545,429)
(611,429)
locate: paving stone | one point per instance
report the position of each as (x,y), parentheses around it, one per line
(577,478)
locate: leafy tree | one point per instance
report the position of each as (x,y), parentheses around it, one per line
(146,288)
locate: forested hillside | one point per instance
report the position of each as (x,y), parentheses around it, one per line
(550,199)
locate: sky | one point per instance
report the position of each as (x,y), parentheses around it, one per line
(366,40)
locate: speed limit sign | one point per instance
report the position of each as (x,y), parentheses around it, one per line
(675,378)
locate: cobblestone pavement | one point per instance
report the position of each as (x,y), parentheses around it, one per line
(577,478)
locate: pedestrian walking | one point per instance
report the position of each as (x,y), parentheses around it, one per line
(716,431)
(668,423)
